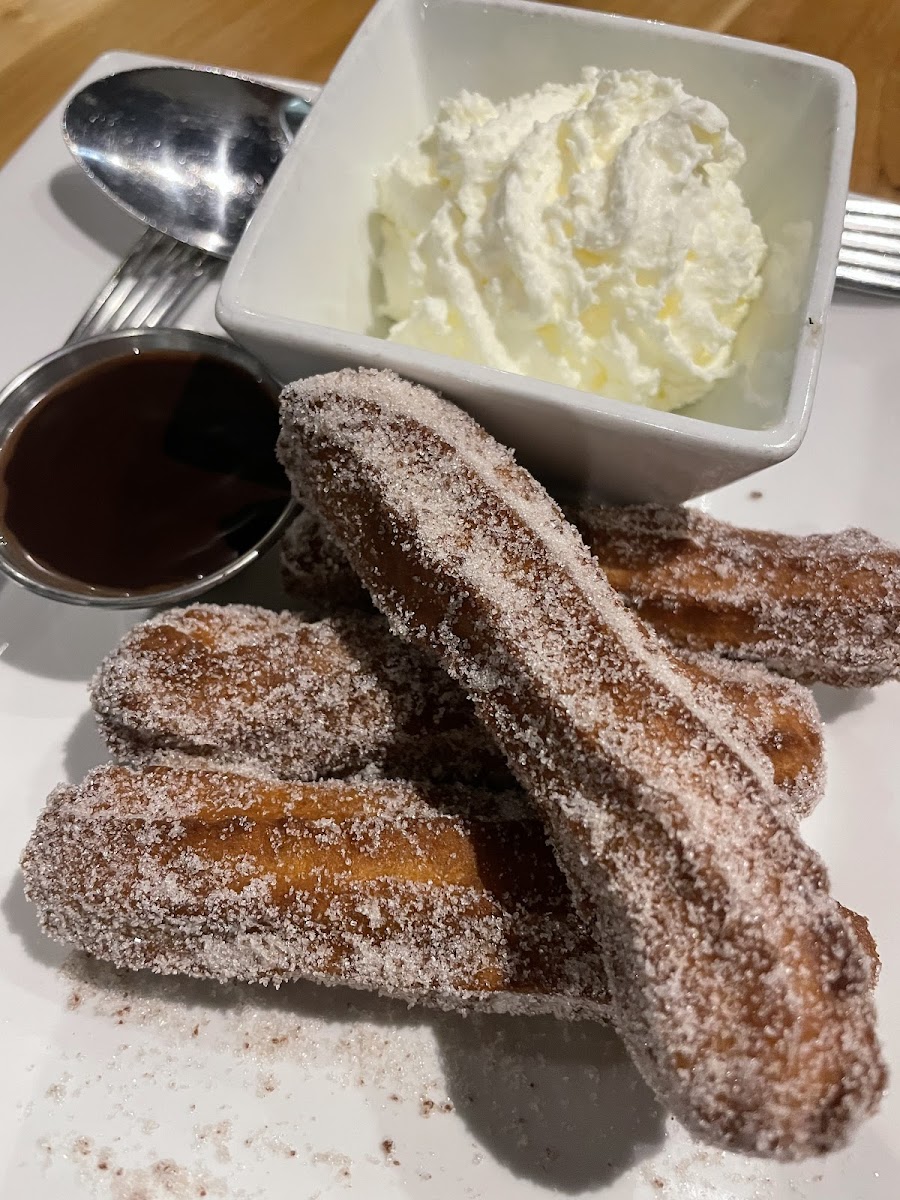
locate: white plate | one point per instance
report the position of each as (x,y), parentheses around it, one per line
(152,1088)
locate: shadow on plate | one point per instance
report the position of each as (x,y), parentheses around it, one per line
(834,702)
(258,584)
(57,641)
(849,298)
(85,749)
(21,920)
(100,218)
(557,1103)
(65,641)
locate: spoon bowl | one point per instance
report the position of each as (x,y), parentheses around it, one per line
(188,151)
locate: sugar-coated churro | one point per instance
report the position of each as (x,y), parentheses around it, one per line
(448,896)
(819,608)
(267,690)
(769,714)
(444,896)
(739,986)
(251,687)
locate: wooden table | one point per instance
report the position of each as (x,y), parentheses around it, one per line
(45,44)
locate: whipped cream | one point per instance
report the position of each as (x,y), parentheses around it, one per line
(590,234)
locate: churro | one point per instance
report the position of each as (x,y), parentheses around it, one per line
(772,715)
(266,690)
(442,896)
(447,896)
(738,985)
(822,608)
(254,688)
(819,608)
(315,572)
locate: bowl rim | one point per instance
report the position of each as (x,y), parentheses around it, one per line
(766,445)
(104,347)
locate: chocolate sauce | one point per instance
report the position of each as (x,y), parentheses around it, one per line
(143,472)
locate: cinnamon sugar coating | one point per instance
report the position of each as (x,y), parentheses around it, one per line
(771,715)
(315,572)
(819,608)
(737,983)
(250,687)
(443,896)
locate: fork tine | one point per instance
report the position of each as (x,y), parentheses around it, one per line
(164,263)
(117,286)
(158,278)
(888,223)
(866,258)
(872,206)
(183,291)
(864,279)
(869,259)
(873,262)
(176,293)
(867,214)
(881,243)
(167,277)
(159,261)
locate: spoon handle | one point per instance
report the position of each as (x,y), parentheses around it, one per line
(154,282)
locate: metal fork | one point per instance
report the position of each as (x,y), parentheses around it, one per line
(869,259)
(156,281)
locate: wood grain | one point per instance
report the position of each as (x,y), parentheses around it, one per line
(46,44)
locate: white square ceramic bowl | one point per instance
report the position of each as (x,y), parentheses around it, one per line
(298,291)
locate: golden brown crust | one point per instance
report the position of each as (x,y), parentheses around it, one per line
(819,608)
(445,896)
(866,939)
(773,716)
(737,983)
(269,691)
(255,688)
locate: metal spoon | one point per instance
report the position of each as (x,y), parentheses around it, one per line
(188,151)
